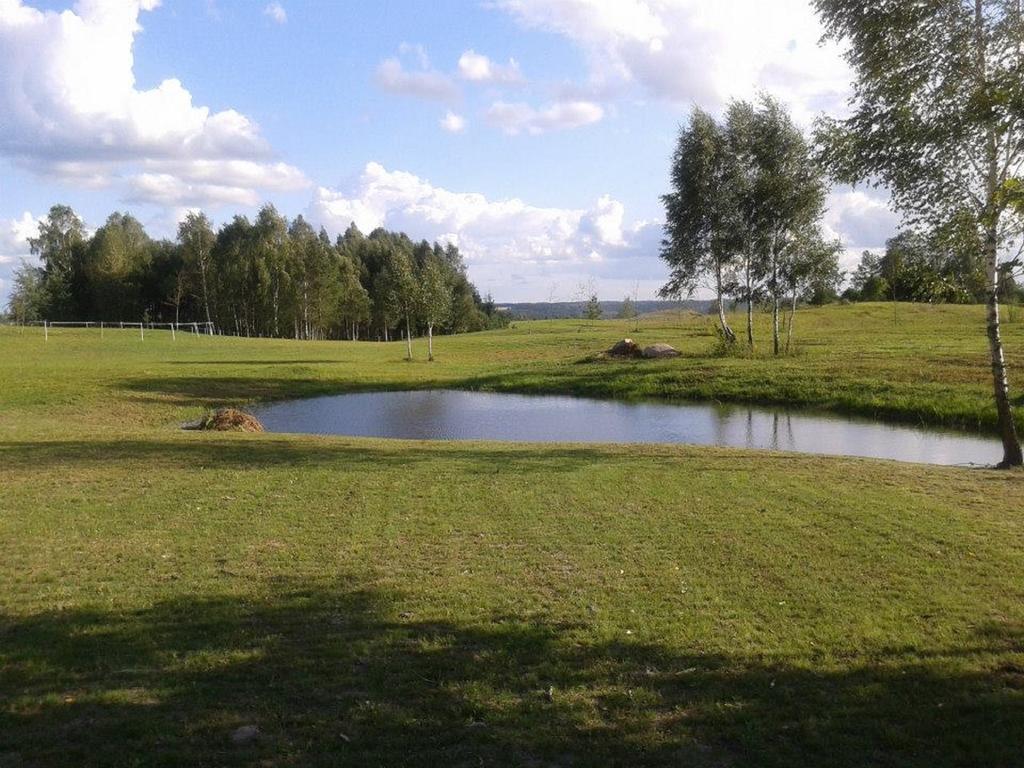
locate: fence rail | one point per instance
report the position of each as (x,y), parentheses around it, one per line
(198,329)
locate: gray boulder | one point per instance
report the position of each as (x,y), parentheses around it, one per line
(657,351)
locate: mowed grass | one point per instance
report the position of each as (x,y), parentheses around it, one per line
(369,602)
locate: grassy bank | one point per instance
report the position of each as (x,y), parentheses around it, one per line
(909,362)
(375,602)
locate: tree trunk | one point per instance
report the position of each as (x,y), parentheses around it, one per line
(727,332)
(430,341)
(408,338)
(1012,456)
(775,301)
(750,307)
(277,289)
(792,317)
(206,296)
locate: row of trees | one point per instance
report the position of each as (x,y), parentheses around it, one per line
(267,277)
(744,215)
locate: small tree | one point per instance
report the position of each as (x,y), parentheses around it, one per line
(628,309)
(402,291)
(27,299)
(811,266)
(593,309)
(435,299)
(787,196)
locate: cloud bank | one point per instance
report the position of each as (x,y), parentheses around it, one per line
(522,248)
(686,51)
(72,111)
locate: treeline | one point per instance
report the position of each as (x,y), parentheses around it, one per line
(930,269)
(267,277)
(744,216)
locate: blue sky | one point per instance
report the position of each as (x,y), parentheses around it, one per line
(536,134)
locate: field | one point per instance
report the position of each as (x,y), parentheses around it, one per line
(368,602)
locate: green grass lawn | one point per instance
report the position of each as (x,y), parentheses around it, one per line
(369,602)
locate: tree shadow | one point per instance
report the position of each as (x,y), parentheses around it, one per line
(211,391)
(198,450)
(344,673)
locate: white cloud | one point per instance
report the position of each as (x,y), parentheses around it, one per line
(276,12)
(519,117)
(862,219)
(453,123)
(685,51)
(72,109)
(498,237)
(14,235)
(478,68)
(422,83)
(14,248)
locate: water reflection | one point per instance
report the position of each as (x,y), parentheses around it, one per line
(453,415)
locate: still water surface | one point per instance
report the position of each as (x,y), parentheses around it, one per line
(455,415)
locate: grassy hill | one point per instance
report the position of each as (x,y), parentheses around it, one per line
(393,603)
(555,310)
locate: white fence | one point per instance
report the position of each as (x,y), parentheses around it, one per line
(198,329)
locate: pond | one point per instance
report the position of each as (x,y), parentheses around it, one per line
(457,415)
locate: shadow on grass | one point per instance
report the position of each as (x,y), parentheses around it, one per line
(199,450)
(346,674)
(211,391)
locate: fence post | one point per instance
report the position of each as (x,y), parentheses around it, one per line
(142,331)
(46,331)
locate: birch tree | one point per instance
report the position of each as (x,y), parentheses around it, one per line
(787,196)
(435,299)
(700,214)
(811,265)
(937,117)
(739,135)
(60,246)
(402,291)
(195,233)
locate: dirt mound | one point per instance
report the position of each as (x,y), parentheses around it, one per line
(230,420)
(625,348)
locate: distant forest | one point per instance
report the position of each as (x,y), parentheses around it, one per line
(267,277)
(555,310)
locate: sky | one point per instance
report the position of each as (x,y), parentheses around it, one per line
(534,134)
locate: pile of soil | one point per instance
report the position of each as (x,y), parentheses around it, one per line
(625,348)
(230,420)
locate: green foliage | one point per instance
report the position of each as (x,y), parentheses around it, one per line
(628,309)
(27,301)
(593,310)
(923,268)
